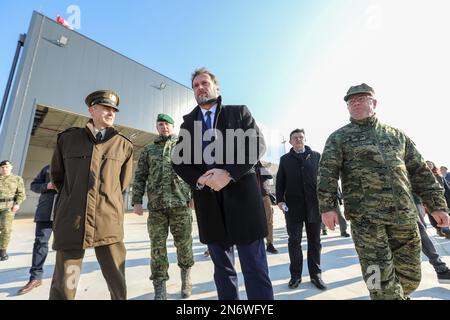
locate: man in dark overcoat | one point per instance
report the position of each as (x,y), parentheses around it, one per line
(216,152)
(297,196)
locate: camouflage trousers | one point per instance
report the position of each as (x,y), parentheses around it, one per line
(179,221)
(6,222)
(390,258)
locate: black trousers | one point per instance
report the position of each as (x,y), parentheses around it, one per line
(295,230)
(428,248)
(40,249)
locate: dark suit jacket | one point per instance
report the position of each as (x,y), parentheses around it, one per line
(295,179)
(235,214)
(45,205)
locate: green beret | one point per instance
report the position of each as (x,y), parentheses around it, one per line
(107,98)
(362,88)
(164,117)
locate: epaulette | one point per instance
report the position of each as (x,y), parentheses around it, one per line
(68,129)
(125,137)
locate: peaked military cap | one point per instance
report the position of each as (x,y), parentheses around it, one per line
(4,163)
(362,88)
(164,117)
(107,98)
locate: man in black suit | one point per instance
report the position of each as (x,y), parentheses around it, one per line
(44,221)
(296,191)
(217,148)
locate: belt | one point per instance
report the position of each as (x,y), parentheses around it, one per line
(7,200)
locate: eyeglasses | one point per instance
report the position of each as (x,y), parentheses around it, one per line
(359,99)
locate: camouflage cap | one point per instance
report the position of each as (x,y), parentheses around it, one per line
(5,162)
(362,88)
(107,98)
(164,117)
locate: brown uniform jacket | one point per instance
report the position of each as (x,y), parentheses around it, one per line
(90,177)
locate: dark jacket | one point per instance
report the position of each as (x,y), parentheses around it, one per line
(90,177)
(45,204)
(447,177)
(235,214)
(446,187)
(296,185)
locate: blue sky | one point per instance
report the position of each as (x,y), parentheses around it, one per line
(291,62)
(242,41)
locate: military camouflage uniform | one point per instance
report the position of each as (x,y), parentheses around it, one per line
(168,197)
(12,192)
(380,168)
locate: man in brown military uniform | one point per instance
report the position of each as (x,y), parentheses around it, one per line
(91,168)
(12,193)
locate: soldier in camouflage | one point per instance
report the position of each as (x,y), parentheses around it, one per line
(168,206)
(12,193)
(380,169)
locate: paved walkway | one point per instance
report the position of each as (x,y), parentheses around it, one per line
(339,263)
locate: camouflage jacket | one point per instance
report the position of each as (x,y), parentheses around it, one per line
(11,187)
(380,169)
(165,189)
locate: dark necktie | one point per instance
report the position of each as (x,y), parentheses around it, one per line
(205,143)
(98,136)
(208,120)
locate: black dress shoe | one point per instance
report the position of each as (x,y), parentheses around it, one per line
(271,248)
(345,234)
(324,232)
(318,283)
(3,255)
(294,282)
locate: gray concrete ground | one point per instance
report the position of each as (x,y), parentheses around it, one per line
(339,264)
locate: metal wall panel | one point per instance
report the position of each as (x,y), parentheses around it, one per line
(61,77)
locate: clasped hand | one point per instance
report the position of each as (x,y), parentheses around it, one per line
(216,179)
